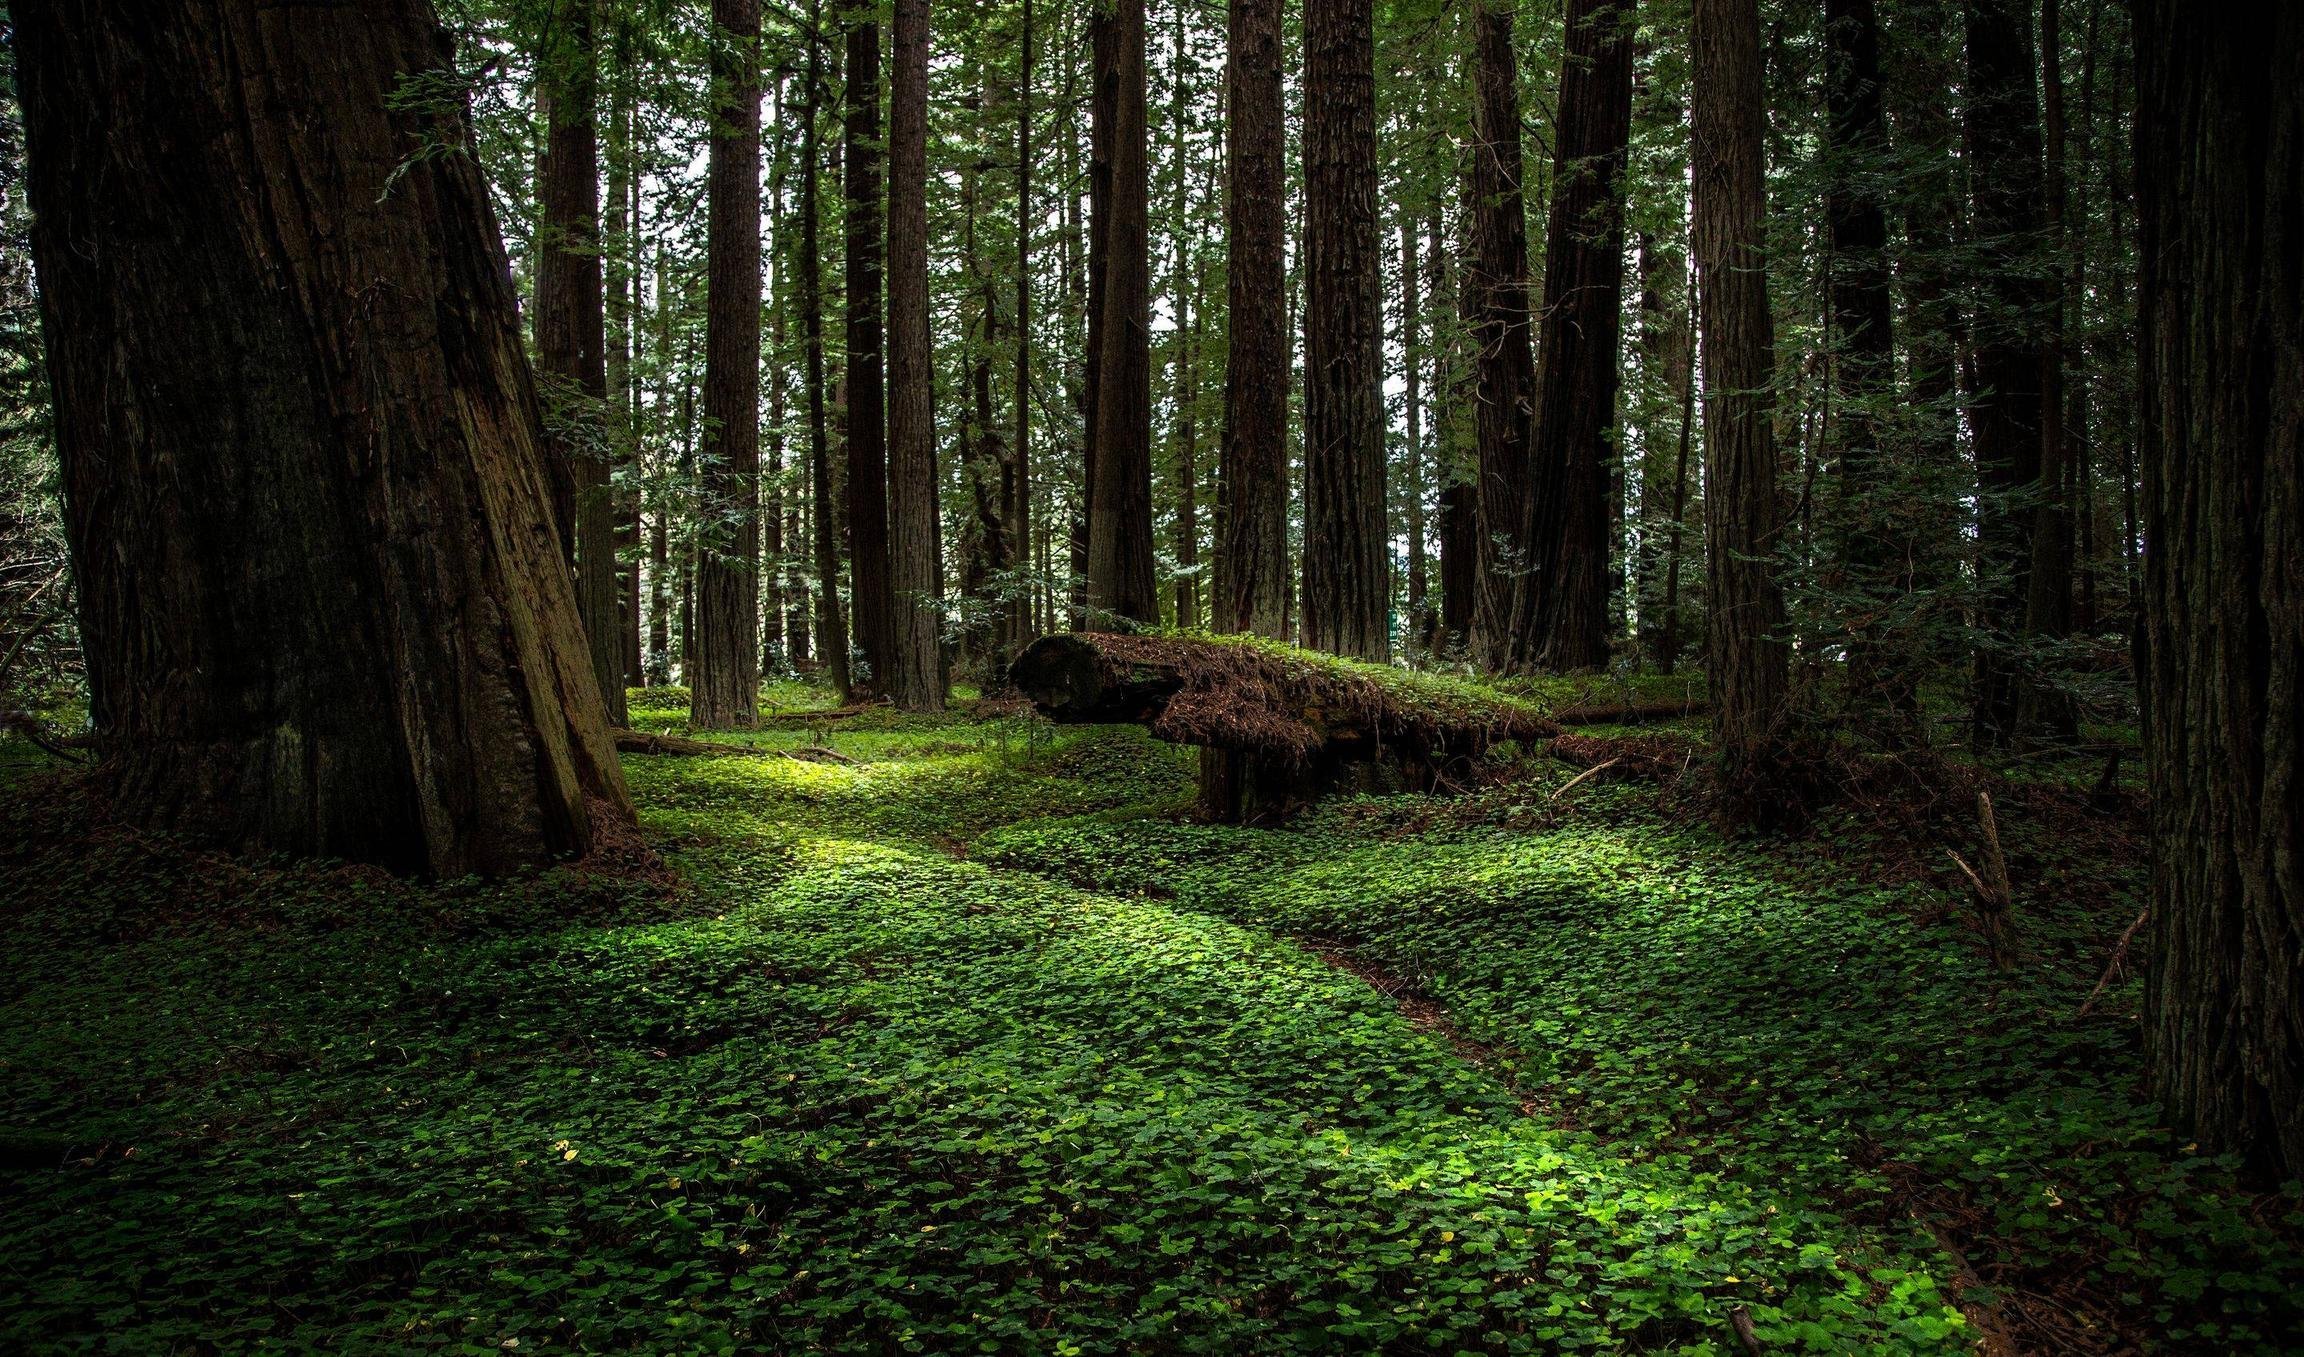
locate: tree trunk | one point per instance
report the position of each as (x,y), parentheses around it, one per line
(1184,359)
(571,339)
(2003,152)
(1347,548)
(1749,658)
(1121,581)
(1412,371)
(1496,308)
(1874,553)
(1020,624)
(874,603)
(831,622)
(774,657)
(915,677)
(2219,164)
(725,690)
(1252,509)
(359,638)
(1560,610)
(621,247)
(2048,603)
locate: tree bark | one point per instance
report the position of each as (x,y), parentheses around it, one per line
(831,621)
(1749,659)
(1412,372)
(1121,581)
(571,338)
(2048,601)
(774,657)
(725,690)
(915,677)
(1347,549)
(1560,609)
(874,602)
(1020,519)
(2220,162)
(359,638)
(1252,509)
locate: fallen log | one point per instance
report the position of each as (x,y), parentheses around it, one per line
(1286,723)
(1625,713)
(640,742)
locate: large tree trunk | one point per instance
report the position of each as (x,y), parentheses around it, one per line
(1749,658)
(726,688)
(915,677)
(1412,373)
(1560,611)
(2003,152)
(1121,581)
(1347,549)
(1184,298)
(623,230)
(874,602)
(1496,310)
(2048,601)
(358,638)
(1458,471)
(1252,510)
(831,622)
(1873,506)
(774,656)
(2220,175)
(1020,448)
(571,337)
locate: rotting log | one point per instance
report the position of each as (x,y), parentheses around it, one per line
(1284,726)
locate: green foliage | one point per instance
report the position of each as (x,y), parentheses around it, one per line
(971,1045)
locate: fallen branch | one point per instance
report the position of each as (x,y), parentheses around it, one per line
(55,746)
(2119,956)
(1593,771)
(816,753)
(1995,898)
(639,742)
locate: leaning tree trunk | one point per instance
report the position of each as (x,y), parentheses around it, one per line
(726,688)
(1347,549)
(1120,574)
(1749,661)
(2220,176)
(358,638)
(571,333)
(1252,486)
(1560,605)
(915,676)
(1495,305)
(874,604)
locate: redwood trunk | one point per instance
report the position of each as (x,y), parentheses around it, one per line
(359,638)
(2220,162)
(726,688)
(1121,582)
(1347,551)
(874,604)
(831,622)
(1252,507)
(915,676)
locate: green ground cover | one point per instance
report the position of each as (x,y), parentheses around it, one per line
(976,1044)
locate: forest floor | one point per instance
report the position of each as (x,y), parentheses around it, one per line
(968,1038)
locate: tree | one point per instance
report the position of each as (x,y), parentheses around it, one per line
(1495,305)
(359,638)
(915,676)
(725,690)
(571,337)
(1347,551)
(2222,438)
(1252,486)
(1560,605)
(1749,659)
(2002,133)
(1019,627)
(874,603)
(1120,575)
(831,623)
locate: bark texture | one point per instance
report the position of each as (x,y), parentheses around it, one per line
(915,675)
(1347,554)
(1749,658)
(866,444)
(2220,178)
(1121,582)
(725,690)
(1252,509)
(1560,606)
(358,637)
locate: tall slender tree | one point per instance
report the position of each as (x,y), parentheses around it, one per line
(1749,658)
(1560,604)
(1252,482)
(831,619)
(1020,518)
(874,602)
(351,442)
(914,678)
(725,690)
(1347,547)
(2218,173)
(1120,574)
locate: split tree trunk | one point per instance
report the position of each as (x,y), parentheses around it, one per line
(1347,549)
(359,638)
(725,690)
(2219,169)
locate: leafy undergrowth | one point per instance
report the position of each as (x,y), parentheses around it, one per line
(973,1045)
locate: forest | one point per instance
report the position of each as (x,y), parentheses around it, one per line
(1152,676)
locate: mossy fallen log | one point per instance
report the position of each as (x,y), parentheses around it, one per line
(1287,724)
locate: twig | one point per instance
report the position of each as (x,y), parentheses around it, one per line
(2119,955)
(1562,789)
